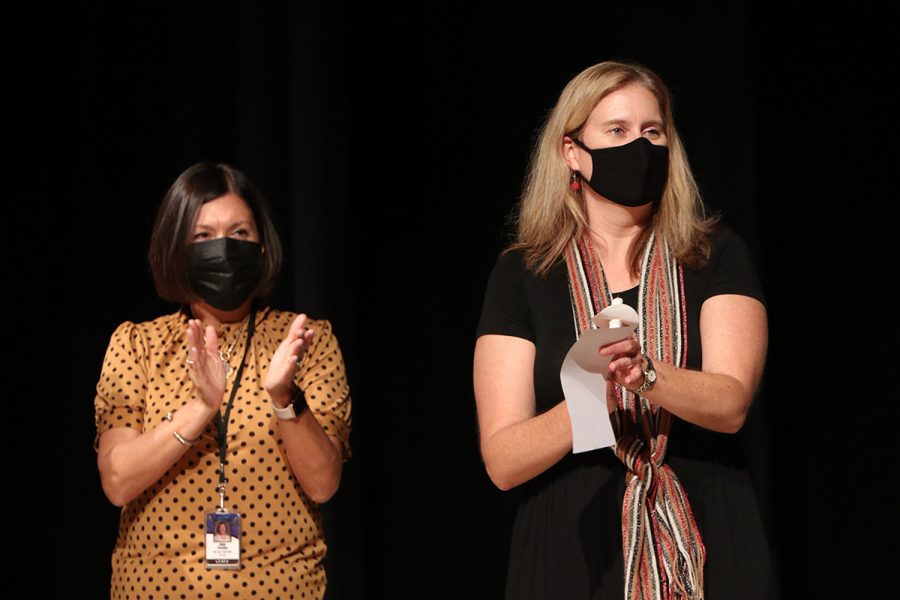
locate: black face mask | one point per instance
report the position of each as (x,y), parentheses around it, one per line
(631,175)
(225,272)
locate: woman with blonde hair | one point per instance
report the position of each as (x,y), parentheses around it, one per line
(611,209)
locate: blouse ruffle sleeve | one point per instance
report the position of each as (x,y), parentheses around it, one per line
(323,379)
(122,387)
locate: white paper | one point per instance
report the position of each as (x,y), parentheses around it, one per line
(583,378)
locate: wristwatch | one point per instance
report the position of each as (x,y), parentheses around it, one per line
(649,377)
(292,411)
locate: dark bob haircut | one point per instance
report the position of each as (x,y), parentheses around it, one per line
(172,233)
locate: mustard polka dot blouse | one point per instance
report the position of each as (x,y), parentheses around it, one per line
(159,552)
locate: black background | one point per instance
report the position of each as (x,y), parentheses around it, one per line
(392,145)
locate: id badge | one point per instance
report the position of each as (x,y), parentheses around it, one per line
(223,540)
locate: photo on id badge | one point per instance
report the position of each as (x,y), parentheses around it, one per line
(223,538)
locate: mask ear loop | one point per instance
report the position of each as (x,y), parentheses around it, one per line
(574,181)
(580,143)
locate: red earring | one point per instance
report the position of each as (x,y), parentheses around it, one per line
(574,185)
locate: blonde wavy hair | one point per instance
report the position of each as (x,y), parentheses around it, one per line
(551,214)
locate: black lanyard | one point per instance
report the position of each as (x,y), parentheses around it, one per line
(222,421)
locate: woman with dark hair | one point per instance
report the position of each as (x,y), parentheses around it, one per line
(611,211)
(226,410)
(222,534)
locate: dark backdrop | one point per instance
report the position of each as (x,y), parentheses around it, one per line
(392,145)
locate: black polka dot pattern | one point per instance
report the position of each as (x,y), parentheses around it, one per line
(159,552)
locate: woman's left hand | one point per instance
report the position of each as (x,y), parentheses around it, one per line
(279,381)
(627,364)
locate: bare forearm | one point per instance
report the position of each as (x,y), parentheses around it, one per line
(713,401)
(130,466)
(314,457)
(524,450)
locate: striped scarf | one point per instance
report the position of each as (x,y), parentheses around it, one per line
(663,551)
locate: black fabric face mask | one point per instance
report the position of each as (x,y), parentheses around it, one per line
(631,175)
(225,272)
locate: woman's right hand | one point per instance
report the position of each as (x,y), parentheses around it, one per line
(130,461)
(204,364)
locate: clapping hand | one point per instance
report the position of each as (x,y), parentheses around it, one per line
(204,364)
(280,378)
